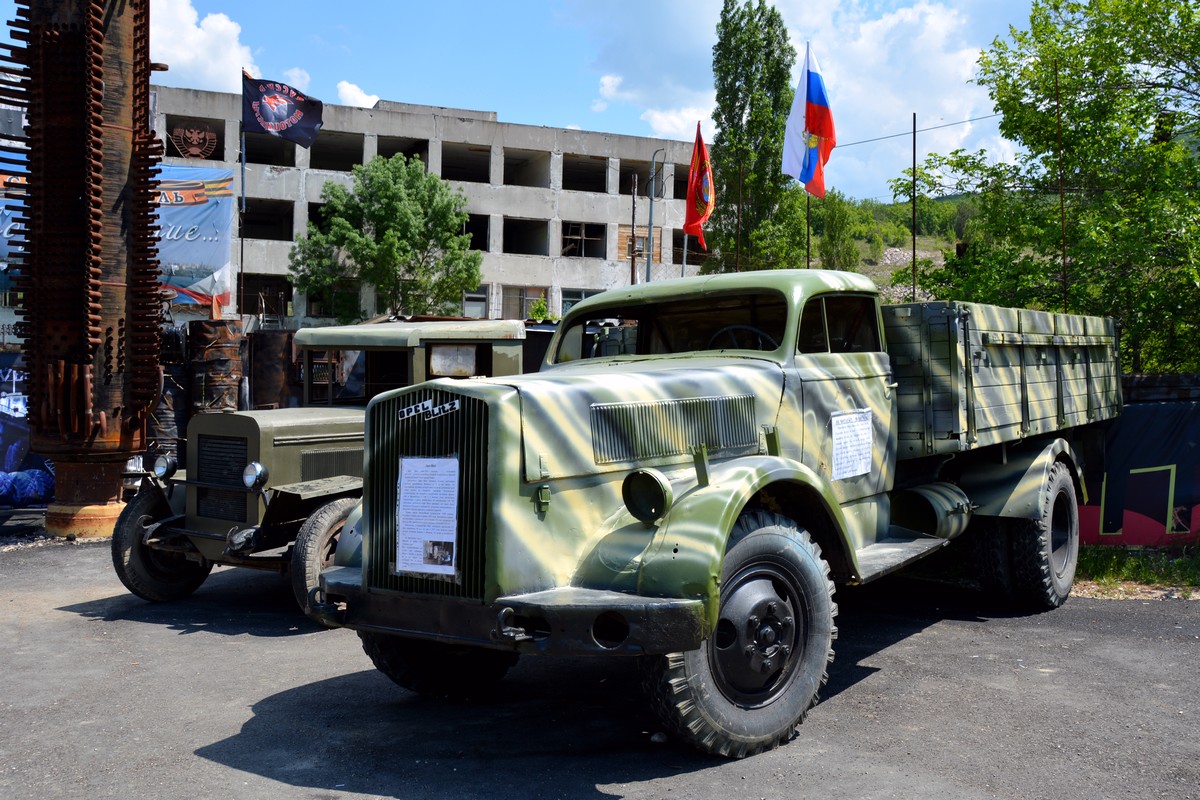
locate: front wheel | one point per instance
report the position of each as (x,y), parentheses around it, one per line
(315,546)
(436,668)
(754,679)
(159,576)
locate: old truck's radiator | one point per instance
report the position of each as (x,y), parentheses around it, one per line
(461,433)
(220,460)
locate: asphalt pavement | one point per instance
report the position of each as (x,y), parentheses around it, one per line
(234,694)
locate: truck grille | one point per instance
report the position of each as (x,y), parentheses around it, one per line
(220,460)
(462,433)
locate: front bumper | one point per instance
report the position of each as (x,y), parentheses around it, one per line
(561,621)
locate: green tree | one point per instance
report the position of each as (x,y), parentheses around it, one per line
(752,68)
(1101,212)
(399,229)
(837,247)
(781,241)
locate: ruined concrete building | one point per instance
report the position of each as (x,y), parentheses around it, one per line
(550,208)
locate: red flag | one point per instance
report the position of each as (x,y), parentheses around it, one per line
(700,195)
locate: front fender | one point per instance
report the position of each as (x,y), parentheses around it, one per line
(686,556)
(1017,488)
(350,542)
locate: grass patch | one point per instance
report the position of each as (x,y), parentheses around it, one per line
(1111,565)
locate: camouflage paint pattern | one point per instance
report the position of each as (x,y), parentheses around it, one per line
(542,457)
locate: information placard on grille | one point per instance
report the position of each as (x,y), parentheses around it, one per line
(427,515)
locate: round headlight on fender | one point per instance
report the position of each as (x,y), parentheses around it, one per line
(647,494)
(254,475)
(165,466)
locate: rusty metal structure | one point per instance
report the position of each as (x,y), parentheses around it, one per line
(91,309)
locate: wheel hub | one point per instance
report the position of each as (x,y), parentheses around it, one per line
(757,638)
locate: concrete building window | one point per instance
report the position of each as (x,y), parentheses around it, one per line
(584,173)
(526,168)
(389,146)
(262,148)
(681,179)
(475,304)
(639,242)
(519,300)
(270,295)
(477,226)
(471,163)
(572,296)
(526,237)
(336,150)
(267,219)
(192,137)
(584,240)
(339,301)
(695,254)
(316,215)
(631,171)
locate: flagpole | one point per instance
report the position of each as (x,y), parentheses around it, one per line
(237,282)
(683,271)
(808,229)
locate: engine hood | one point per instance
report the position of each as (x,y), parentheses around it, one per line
(582,420)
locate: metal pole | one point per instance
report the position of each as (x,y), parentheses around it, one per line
(683,269)
(633,234)
(808,229)
(650,227)
(914,211)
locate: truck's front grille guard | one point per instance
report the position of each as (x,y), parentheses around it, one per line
(220,460)
(462,433)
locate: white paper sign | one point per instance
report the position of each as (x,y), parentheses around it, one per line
(427,515)
(851,443)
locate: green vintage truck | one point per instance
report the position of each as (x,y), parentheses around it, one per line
(271,489)
(689,485)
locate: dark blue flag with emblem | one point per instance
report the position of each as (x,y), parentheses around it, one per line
(278,109)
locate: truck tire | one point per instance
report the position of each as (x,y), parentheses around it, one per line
(754,679)
(435,668)
(159,576)
(1045,551)
(316,542)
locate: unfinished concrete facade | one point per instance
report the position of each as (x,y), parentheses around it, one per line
(550,208)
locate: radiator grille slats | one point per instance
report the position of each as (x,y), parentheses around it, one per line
(462,433)
(220,460)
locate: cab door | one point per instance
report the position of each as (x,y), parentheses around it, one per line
(848,395)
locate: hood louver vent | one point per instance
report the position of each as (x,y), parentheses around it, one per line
(659,429)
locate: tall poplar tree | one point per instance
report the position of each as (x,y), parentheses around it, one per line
(752,73)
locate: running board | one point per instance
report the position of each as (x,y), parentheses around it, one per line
(899,549)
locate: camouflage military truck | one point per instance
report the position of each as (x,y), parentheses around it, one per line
(271,489)
(689,485)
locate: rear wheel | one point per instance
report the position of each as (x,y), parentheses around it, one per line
(753,680)
(1045,551)
(436,668)
(155,575)
(315,546)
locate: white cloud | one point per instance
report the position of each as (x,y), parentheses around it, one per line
(610,88)
(351,95)
(679,123)
(297,78)
(599,105)
(202,54)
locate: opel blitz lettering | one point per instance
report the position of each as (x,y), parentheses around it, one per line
(689,485)
(272,489)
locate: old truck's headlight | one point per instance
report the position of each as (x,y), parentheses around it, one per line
(647,494)
(165,466)
(254,475)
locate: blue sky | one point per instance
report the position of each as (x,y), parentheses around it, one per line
(635,67)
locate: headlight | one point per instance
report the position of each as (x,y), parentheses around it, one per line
(647,494)
(165,466)
(254,475)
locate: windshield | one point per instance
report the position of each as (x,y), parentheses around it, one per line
(745,321)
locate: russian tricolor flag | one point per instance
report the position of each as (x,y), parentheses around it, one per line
(809,137)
